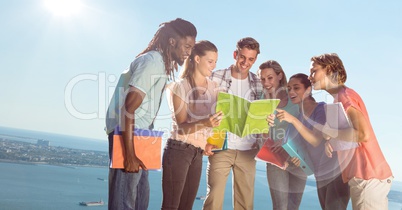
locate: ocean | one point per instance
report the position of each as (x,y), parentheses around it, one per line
(48,187)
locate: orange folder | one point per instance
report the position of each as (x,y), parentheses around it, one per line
(266,155)
(147,144)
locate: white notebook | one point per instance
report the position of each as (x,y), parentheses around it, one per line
(338,119)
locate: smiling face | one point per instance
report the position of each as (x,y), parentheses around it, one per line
(245,58)
(297,90)
(181,48)
(270,80)
(206,63)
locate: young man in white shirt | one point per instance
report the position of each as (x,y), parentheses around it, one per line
(239,157)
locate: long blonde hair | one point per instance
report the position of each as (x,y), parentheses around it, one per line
(277,69)
(200,49)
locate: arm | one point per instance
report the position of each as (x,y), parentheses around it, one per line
(133,100)
(314,137)
(328,149)
(277,146)
(360,125)
(359,132)
(180,108)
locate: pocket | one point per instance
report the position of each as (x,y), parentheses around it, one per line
(176,145)
(357,182)
(172,154)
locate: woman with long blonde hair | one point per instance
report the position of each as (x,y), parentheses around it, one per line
(192,102)
(287,184)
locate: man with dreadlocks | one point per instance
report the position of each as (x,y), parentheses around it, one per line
(135,103)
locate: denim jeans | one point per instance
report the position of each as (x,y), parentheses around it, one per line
(286,186)
(128,190)
(333,194)
(181,174)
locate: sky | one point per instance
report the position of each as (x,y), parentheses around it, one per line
(60,62)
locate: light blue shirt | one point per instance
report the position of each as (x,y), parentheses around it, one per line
(279,130)
(146,73)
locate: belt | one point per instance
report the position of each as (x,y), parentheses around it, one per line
(184,145)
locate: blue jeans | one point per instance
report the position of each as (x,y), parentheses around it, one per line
(127,190)
(286,186)
(181,174)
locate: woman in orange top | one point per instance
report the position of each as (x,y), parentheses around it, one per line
(367,173)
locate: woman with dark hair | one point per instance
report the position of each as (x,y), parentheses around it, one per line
(332,192)
(191,100)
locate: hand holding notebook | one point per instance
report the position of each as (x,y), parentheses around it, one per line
(147,145)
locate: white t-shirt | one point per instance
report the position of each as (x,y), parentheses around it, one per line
(240,88)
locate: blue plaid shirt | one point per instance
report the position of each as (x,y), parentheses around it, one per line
(224,78)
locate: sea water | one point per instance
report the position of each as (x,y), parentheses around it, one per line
(47,187)
(41,187)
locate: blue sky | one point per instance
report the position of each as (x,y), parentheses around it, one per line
(58,72)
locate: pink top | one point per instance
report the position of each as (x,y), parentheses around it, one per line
(367,161)
(196,110)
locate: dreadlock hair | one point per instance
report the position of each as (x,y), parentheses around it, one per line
(176,29)
(200,49)
(333,65)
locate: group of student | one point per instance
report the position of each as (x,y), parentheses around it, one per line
(366,178)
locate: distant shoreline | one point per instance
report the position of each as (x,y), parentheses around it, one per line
(50,164)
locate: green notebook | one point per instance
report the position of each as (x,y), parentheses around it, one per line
(243,117)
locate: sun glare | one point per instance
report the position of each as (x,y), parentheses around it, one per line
(63,8)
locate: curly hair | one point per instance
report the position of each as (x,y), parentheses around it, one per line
(176,29)
(249,43)
(333,65)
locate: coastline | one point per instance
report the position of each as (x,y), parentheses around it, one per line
(72,166)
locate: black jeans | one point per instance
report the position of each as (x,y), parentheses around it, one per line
(181,167)
(333,194)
